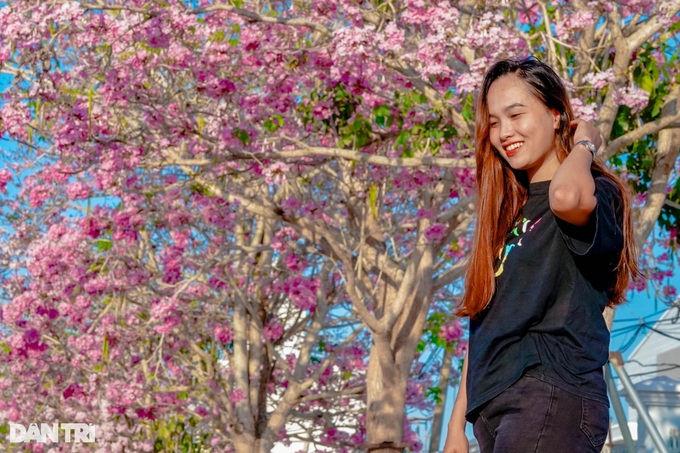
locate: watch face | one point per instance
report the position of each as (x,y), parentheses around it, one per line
(589,146)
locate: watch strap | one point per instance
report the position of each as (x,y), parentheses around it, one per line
(590,146)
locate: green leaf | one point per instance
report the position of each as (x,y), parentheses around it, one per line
(373,198)
(401,138)
(242,135)
(467,113)
(105,350)
(362,138)
(218,36)
(269,125)
(647,83)
(467,107)
(103,245)
(383,114)
(435,394)
(407,152)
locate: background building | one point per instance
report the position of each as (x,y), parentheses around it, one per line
(654,369)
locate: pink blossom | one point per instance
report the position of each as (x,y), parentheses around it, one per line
(353,41)
(273,330)
(451,332)
(5,178)
(294,263)
(436,232)
(469,82)
(601,79)
(4,53)
(588,112)
(633,97)
(223,333)
(32,340)
(146,413)
(528,11)
(302,291)
(580,20)
(77,190)
(169,323)
(276,173)
(164,307)
(323,110)
(38,195)
(670,292)
(15,118)
(73,390)
(460,348)
(392,39)
(291,205)
(237,396)
(631,7)
(219,88)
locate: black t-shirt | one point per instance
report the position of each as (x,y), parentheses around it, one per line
(552,280)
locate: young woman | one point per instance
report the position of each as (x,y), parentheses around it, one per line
(553,247)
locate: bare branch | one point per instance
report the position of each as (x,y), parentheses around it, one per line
(647,129)
(255,17)
(651,26)
(424,161)
(104,7)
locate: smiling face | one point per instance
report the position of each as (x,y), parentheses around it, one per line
(522,128)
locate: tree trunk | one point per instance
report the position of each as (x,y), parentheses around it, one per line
(245,443)
(390,362)
(664,164)
(385,399)
(438,417)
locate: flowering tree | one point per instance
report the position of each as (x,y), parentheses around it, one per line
(236,224)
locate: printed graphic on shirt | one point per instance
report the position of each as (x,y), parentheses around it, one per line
(521,228)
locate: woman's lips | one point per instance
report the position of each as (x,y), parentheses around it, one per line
(513,148)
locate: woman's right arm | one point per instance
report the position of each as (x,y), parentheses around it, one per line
(456,440)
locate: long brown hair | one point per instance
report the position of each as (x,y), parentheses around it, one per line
(502,191)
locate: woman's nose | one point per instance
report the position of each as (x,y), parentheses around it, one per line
(506,130)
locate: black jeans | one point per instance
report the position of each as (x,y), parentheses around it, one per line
(535,416)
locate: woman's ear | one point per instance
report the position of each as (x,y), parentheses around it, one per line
(556,119)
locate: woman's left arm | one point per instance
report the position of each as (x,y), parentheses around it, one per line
(572,190)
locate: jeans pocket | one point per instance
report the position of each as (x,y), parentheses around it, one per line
(594,421)
(483,423)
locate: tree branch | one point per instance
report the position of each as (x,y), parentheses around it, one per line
(647,129)
(651,26)
(425,161)
(255,17)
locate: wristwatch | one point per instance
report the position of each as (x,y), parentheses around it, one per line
(590,146)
